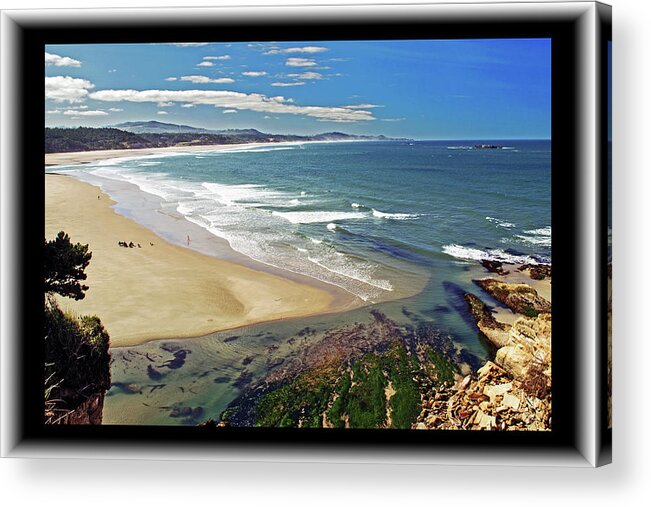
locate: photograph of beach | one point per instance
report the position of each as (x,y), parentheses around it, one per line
(316,234)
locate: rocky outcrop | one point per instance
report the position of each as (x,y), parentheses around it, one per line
(491,400)
(519,297)
(496,332)
(521,347)
(494,267)
(512,392)
(529,347)
(537,271)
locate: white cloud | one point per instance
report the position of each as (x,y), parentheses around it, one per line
(235,100)
(115,109)
(363,106)
(67,89)
(61,61)
(187,105)
(229,111)
(393,119)
(111,71)
(206,79)
(305,49)
(221,57)
(300,62)
(53,111)
(165,104)
(75,112)
(297,83)
(162,112)
(252,73)
(307,75)
(189,44)
(205,64)
(170,79)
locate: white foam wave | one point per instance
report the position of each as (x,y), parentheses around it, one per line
(316,241)
(500,223)
(118,161)
(241,194)
(349,271)
(355,205)
(543,231)
(541,236)
(395,216)
(474,254)
(254,149)
(534,240)
(331,227)
(313,217)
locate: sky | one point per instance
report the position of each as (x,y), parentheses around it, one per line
(421,89)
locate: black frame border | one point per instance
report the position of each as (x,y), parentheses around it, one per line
(562,29)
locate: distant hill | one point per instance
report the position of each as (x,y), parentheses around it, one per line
(59,140)
(155,134)
(158,127)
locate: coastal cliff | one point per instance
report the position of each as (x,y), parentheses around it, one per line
(513,391)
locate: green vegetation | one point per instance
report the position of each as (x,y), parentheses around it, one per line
(61,140)
(376,390)
(366,400)
(529,311)
(299,403)
(444,369)
(405,403)
(64,267)
(76,356)
(338,408)
(77,359)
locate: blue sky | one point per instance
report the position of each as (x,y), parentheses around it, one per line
(457,89)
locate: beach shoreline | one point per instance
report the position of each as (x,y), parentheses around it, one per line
(160,290)
(86,157)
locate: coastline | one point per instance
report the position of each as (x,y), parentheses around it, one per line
(162,290)
(85,157)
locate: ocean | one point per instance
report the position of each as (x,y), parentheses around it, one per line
(399,224)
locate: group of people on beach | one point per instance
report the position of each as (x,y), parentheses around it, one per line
(131,244)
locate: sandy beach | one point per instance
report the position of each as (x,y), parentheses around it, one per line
(160,290)
(85,157)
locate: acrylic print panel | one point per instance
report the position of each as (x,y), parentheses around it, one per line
(314,234)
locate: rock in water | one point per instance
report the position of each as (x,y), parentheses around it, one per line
(519,297)
(496,332)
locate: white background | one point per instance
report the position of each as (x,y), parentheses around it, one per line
(150,483)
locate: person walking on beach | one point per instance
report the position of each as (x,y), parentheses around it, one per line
(188,240)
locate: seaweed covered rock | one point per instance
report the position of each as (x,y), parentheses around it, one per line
(371,375)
